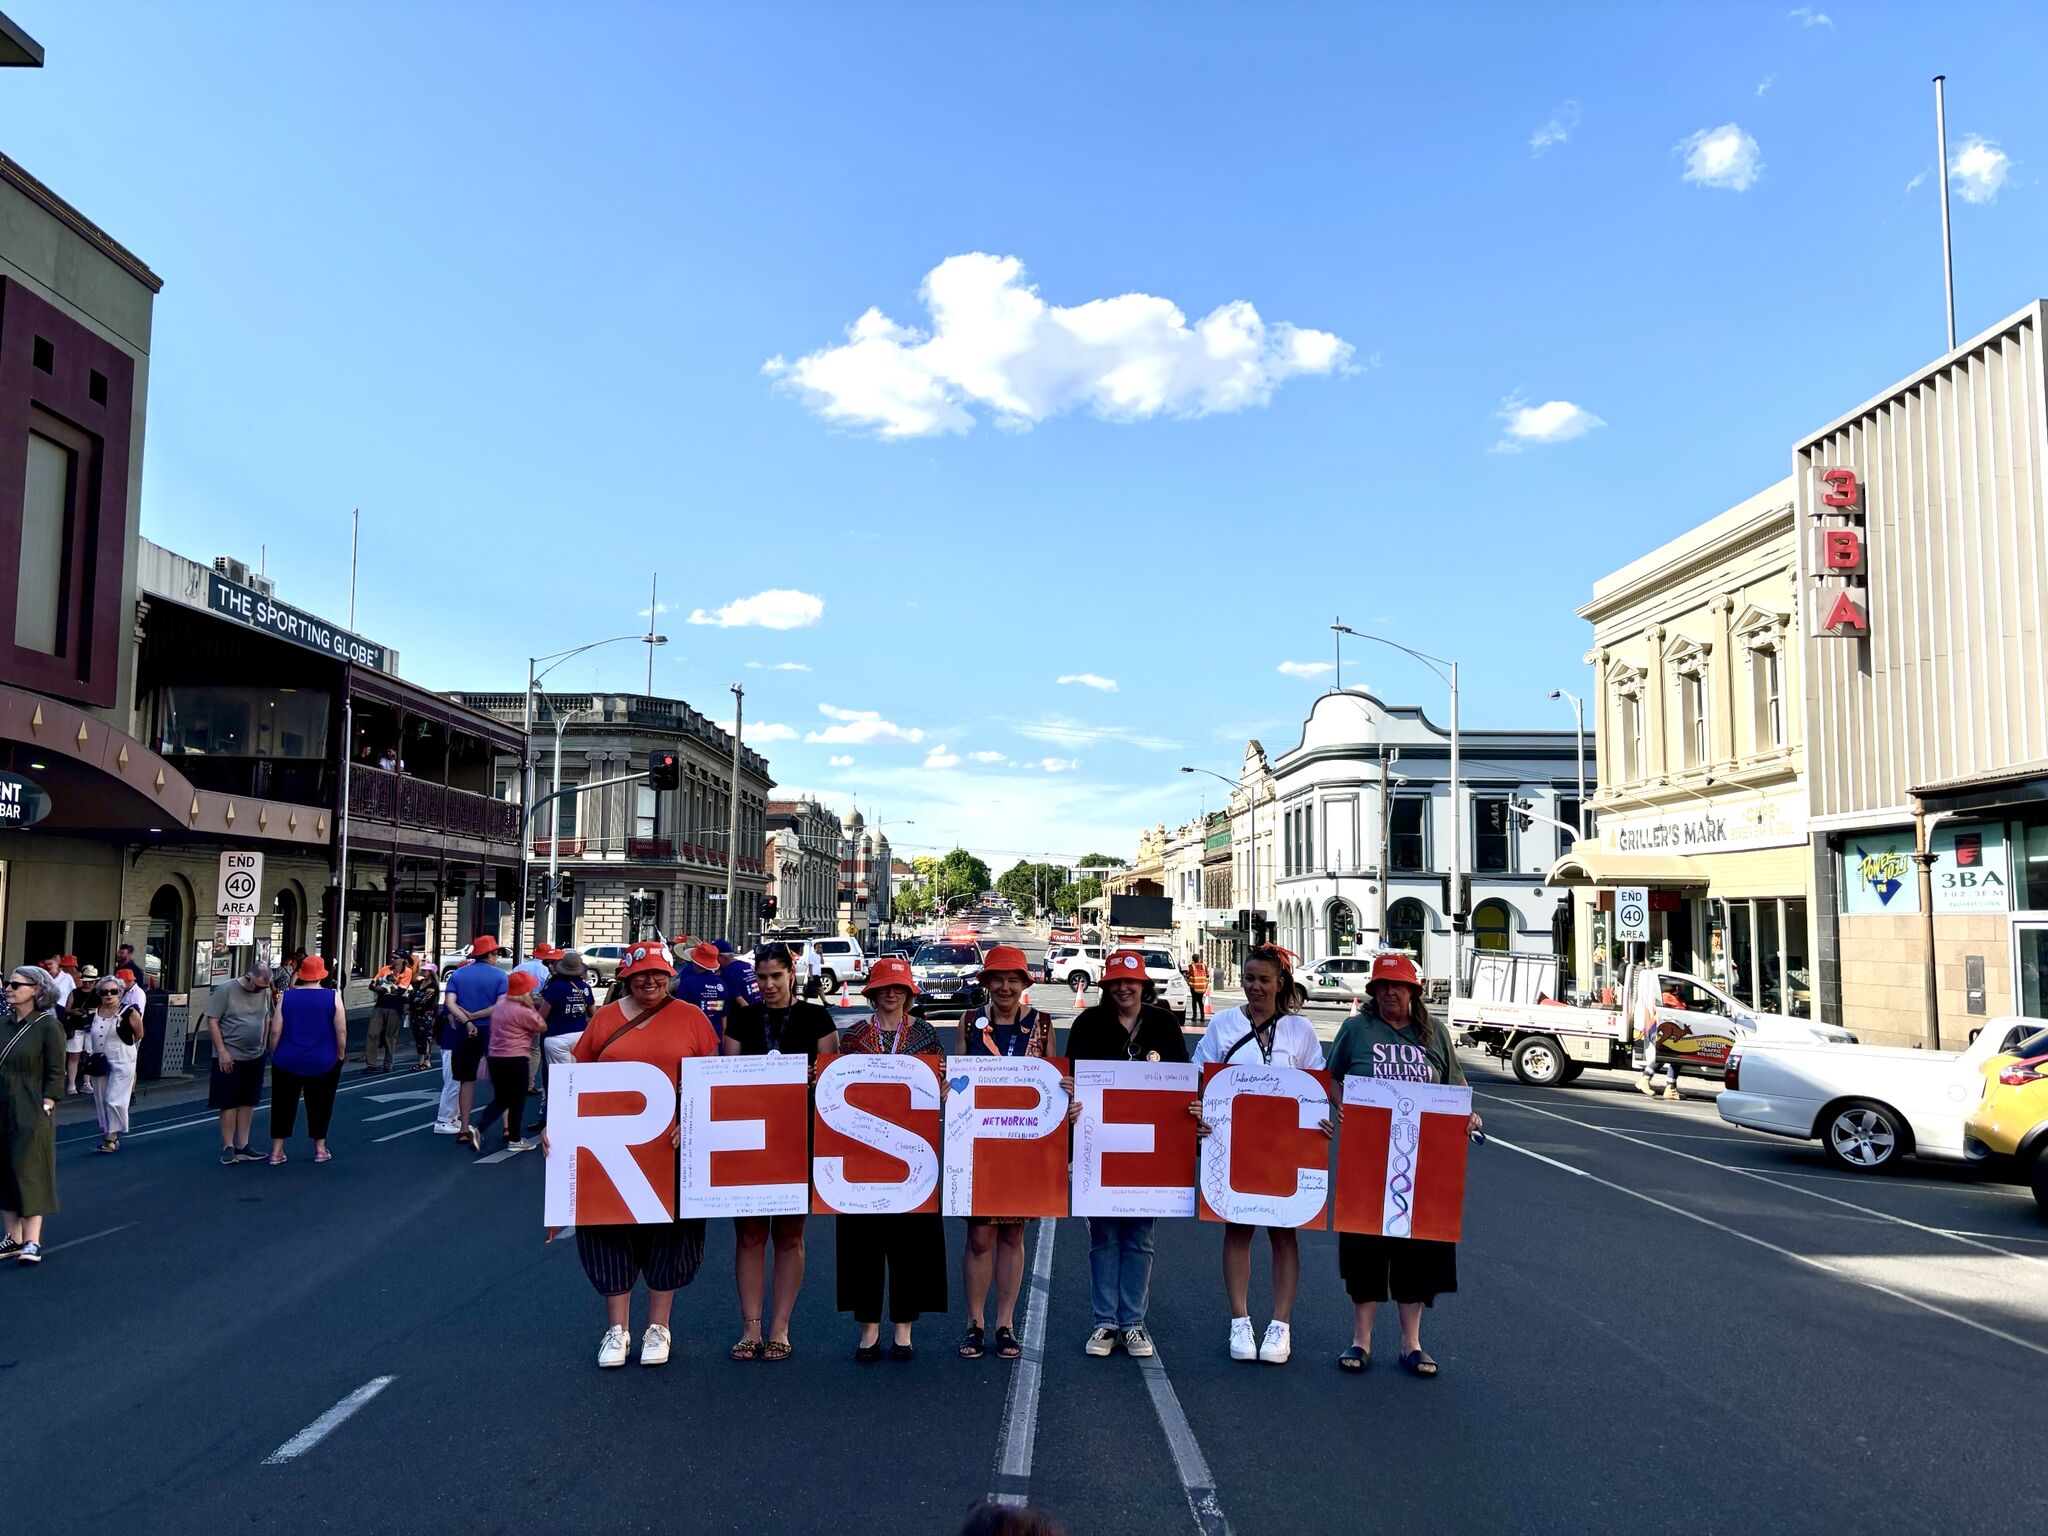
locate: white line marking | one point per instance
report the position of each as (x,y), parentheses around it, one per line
(1019,1432)
(1499,1141)
(90,1237)
(424,1125)
(1763,1178)
(327,1423)
(1196,1480)
(501,1154)
(393,1114)
(211,1117)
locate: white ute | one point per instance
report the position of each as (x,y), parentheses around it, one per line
(1867,1105)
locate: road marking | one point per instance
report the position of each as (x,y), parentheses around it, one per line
(1196,1480)
(424,1125)
(393,1114)
(1567,1167)
(1812,1263)
(500,1155)
(88,1238)
(1019,1433)
(211,1117)
(1764,1178)
(327,1423)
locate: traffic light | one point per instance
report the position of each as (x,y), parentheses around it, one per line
(664,769)
(537,895)
(768,907)
(566,890)
(636,911)
(1522,809)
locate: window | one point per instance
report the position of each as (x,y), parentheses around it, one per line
(40,580)
(1568,813)
(1493,926)
(1692,717)
(1631,738)
(241,722)
(643,811)
(1492,833)
(1405,841)
(1767,678)
(1406,920)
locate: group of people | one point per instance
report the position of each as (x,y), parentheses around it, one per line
(897,1263)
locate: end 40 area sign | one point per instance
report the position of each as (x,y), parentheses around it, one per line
(240,895)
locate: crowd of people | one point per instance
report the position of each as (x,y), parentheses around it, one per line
(67,1025)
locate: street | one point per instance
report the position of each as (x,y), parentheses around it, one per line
(1664,1325)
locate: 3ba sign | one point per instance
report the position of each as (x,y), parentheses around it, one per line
(1841,596)
(748,1136)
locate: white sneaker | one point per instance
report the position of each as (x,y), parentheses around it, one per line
(612,1352)
(1137,1342)
(654,1345)
(1243,1346)
(446,1128)
(1101,1342)
(521,1145)
(1277,1345)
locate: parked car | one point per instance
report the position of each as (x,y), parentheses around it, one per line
(903,949)
(1169,987)
(1869,1105)
(840,960)
(1075,963)
(1339,979)
(2012,1118)
(602,960)
(948,977)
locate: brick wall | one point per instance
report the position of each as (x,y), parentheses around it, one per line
(1884,979)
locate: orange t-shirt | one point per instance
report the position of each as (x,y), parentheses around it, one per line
(663,1036)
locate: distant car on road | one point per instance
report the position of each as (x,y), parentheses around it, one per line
(1075,963)
(1339,979)
(2012,1119)
(602,960)
(1169,987)
(948,977)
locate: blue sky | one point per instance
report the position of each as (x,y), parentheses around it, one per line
(507,277)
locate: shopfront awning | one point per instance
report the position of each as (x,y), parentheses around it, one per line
(1594,865)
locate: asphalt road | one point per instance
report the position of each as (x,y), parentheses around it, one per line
(1665,1325)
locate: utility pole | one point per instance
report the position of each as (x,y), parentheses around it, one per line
(732,820)
(1948,265)
(1387,759)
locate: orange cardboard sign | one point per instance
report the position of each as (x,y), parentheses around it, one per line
(1006,1136)
(744,1136)
(1134,1143)
(1401,1158)
(876,1135)
(609,1161)
(1265,1162)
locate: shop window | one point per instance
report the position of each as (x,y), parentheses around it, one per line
(1492,833)
(1406,921)
(1493,926)
(1406,844)
(1767,682)
(2032,879)
(42,574)
(1797,990)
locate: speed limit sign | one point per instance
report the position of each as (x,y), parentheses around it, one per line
(1632,913)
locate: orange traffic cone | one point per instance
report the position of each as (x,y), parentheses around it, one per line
(842,993)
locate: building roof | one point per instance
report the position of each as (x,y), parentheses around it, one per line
(18,178)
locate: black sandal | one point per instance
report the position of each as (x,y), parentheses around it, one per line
(1416,1363)
(1007,1347)
(971,1347)
(1354,1360)
(868,1354)
(902,1352)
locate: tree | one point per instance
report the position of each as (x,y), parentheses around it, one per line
(1019,884)
(962,874)
(1097,861)
(1086,891)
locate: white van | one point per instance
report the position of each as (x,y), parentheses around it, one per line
(841,960)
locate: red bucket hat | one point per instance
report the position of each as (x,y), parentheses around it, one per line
(1005,957)
(1392,967)
(483,944)
(312,968)
(706,955)
(651,956)
(890,971)
(521,984)
(1123,965)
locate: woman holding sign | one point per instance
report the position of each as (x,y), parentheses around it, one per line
(771,1027)
(1124,1027)
(1261,1033)
(995,1244)
(1393,1036)
(909,1252)
(645,1025)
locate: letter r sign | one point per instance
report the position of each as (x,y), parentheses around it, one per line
(1841,549)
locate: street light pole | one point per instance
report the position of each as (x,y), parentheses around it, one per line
(555,837)
(1579,736)
(732,815)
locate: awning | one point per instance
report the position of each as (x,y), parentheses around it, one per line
(2022,785)
(1595,865)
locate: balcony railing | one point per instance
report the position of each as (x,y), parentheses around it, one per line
(650,848)
(380,796)
(558,847)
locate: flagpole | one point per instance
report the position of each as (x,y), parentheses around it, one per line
(1948,262)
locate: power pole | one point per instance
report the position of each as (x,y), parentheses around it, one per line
(732,818)
(1386,835)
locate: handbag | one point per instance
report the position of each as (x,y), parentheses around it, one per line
(97,1065)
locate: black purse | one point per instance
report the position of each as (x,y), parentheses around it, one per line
(97,1065)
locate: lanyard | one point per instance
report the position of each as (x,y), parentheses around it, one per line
(897,1048)
(771,1045)
(1019,1035)
(1265,1039)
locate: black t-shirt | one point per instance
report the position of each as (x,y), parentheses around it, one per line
(759,1028)
(1097,1036)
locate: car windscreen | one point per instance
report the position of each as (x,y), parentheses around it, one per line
(947,954)
(1158,960)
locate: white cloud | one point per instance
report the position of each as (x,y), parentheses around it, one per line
(1554,421)
(771,732)
(648,613)
(1807,16)
(777,608)
(987,757)
(994,343)
(1059,764)
(941,757)
(1978,169)
(1557,130)
(1065,732)
(859,727)
(779,666)
(1721,157)
(1091,680)
(1765,84)
(1303,668)
(840,761)
(1914,184)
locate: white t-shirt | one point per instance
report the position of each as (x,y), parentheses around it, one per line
(61,984)
(1294,1042)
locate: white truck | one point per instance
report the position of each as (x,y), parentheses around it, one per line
(1549,1044)
(1867,1105)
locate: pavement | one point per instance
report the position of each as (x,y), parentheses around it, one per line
(1664,1324)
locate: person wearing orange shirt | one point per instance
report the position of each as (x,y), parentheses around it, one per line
(650,1026)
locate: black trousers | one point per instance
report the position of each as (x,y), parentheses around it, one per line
(319,1089)
(508,1095)
(909,1252)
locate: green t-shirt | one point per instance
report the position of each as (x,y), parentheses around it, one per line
(1368,1046)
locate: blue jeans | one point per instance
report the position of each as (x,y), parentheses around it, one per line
(1120,1269)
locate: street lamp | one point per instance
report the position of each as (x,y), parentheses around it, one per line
(562,719)
(1579,733)
(533,677)
(1251,820)
(1448,672)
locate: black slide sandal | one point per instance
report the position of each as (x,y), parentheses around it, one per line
(1416,1363)
(1354,1360)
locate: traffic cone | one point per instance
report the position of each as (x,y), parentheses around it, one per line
(842,993)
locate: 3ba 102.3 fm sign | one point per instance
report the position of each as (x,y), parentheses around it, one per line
(1841,593)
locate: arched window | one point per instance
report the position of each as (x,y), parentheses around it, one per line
(167,935)
(1406,920)
(1342,928)
(1493,924)
(286,931)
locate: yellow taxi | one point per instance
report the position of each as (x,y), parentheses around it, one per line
(2012,1118)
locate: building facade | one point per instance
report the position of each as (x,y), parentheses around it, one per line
(808,840)
(1698,691)
(867,887)
(1363,829)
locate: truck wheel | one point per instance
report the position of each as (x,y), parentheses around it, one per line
(1862,1135)
(1078,980)
(1572,1069)
(1539,1061)
(831,980)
